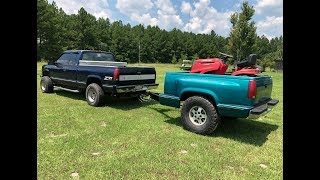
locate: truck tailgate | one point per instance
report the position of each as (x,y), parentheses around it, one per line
(264,89)
(136,75)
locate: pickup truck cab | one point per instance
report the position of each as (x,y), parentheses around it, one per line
(207,98)
(97,73)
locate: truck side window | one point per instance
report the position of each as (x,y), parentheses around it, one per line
(68,59)
(97,56)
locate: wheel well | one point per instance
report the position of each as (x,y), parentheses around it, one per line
(186,95)
(93,80)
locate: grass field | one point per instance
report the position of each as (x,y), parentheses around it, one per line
(127,139)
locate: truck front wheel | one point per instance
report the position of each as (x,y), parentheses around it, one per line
(94,94)
(199,115)
(46,85)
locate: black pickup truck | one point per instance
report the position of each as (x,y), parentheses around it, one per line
(97,73)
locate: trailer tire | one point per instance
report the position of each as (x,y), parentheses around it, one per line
(199,115)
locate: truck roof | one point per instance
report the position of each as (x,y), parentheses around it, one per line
(80,51)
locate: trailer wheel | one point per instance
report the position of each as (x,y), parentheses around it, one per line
(94,94)
(199,115)
(46,85)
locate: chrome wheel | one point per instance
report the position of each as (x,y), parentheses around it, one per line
(197,115)
(92,95)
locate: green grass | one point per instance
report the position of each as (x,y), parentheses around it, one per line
(146,140)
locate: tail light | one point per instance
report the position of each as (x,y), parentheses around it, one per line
(116,74)
(252,91)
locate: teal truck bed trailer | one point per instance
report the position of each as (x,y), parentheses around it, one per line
(206,98)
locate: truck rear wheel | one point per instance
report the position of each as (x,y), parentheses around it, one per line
(199,115)
(46,85)
(94,94)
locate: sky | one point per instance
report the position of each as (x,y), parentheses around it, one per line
(198,16)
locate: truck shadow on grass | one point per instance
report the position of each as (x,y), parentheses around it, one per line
(123,103)
(244,130)
(72,95)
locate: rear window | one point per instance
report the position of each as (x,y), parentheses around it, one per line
(97,56)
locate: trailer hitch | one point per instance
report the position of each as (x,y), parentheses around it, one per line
(148,96)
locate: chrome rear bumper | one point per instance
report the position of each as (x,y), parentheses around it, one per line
(129,88)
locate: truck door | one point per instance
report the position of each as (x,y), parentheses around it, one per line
(65,73)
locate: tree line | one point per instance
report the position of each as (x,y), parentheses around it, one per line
(57,31)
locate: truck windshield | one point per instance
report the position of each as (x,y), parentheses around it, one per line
(97,56)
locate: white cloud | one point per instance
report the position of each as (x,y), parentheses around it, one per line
(194,25)
(102,14)
(169,22)
(145,19)
(137,10)
(206,18)
(185,7)
(269,7)
(166,7)
(268,3)
(163,13)
(99,8)
(167,15)
(270,27)
(272,23)
(129,7)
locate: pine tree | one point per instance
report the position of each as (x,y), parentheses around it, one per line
(243,33)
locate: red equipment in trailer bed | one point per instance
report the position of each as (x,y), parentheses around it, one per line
(218,66)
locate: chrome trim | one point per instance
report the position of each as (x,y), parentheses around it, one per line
(61,79)
(133,89)
(102,63)
(128,88)
(136,77)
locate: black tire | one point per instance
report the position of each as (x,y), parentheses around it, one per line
(202,123)
(94,95)
(46,85)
